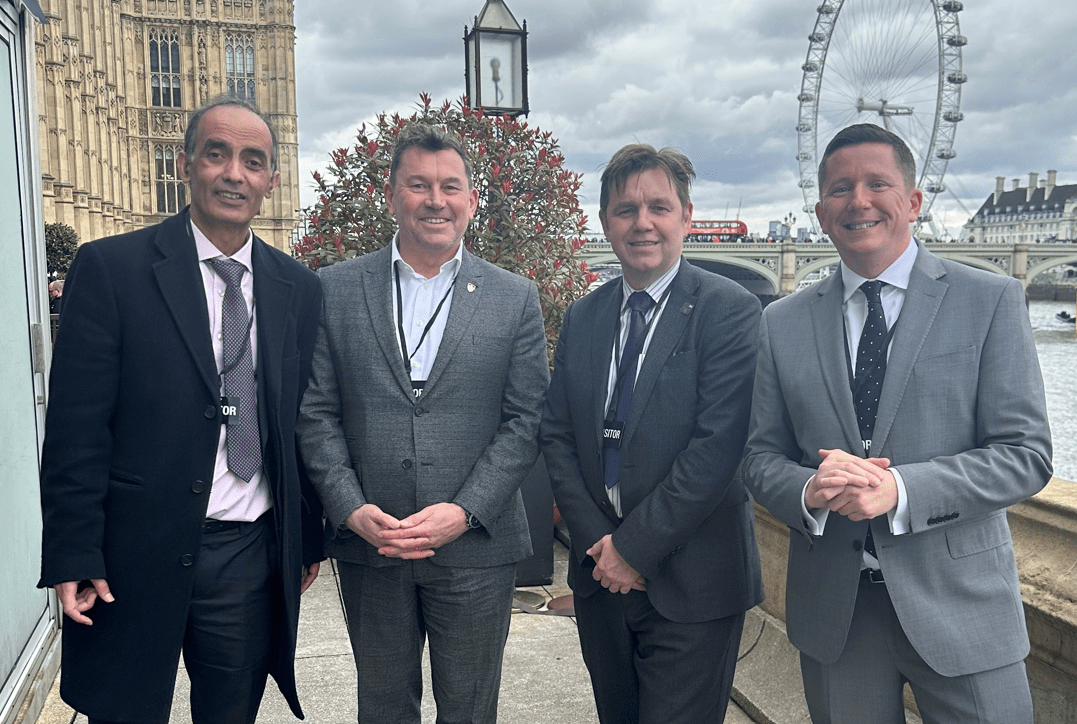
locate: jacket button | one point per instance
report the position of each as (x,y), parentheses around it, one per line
(406,464)
(858,546)
(419,411)
(198,486)
(186,559)
(211,412)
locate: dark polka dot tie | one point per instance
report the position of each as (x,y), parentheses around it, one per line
(640,303)
(237,371)
(870,370)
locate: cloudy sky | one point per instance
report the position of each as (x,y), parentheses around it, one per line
(718,80)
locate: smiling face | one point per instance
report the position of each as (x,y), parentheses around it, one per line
(866,208)
(230,173)
(432,201)
(646,223)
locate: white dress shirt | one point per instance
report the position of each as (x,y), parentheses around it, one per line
(855,312)
(656,291)
(230,498)
(420,298)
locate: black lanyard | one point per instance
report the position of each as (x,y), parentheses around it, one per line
(400,318)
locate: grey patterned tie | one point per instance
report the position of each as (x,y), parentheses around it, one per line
(641,303)
(237,372)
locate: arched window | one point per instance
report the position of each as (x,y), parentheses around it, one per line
(239,64)
(171,191)
(165,69)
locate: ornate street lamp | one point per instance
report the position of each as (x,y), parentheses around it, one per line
(495,62)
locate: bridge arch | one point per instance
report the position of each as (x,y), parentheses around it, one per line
(976,262)
(1037,269)
(770,276)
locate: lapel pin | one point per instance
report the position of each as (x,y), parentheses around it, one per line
(687,308)
(470,287)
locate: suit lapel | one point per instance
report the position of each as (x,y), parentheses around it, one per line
(670,327)
(379,290)
(467,293)
(272,300)
(918,311)
(180,282)
(602,328)
(829,327)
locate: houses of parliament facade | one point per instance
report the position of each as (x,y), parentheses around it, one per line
(117,81)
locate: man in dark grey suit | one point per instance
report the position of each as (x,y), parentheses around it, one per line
(643,429)
(419,424)
(898,410)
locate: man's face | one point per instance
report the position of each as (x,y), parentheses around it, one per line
(231,171)
(432,201)
(646,223)
(866,208)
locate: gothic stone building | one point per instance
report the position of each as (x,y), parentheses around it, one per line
(1041,211)
(117,80)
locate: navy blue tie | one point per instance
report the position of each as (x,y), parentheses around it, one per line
(640,303)
(870,371)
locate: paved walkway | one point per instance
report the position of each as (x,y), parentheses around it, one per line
(544,679)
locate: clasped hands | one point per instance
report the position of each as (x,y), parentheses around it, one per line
(858,488)
(612,571)
(416,536)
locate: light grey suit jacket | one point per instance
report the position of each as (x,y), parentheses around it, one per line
(470,439)
(962,416)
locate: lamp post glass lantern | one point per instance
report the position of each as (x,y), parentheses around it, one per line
(495,61)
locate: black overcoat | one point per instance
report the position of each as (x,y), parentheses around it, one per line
(130,442)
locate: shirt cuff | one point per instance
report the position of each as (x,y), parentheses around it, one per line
(815,521)
(899,517)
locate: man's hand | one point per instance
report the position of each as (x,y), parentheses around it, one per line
(371,523)
(309,574)
(75,602)
(611,570)
(421,533)
(858,488)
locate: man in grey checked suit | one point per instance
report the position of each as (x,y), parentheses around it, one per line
(419,424)
(664,562)
(901,565)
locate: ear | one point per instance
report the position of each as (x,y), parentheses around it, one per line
(819,215)
(687,228)
(388,191)
(916,201)
(274,183)
(183,166)
(473,202)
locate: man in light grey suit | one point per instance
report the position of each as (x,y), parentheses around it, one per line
(901,565)
(420,422)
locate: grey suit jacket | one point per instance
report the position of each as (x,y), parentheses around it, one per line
(962,416)
(688,527)
(470,439)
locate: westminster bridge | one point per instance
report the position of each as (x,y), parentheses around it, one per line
(1044,527)
(770,269)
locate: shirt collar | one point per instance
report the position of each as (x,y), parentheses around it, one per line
(207,251)
(656,288)
(452,265)
(896,275)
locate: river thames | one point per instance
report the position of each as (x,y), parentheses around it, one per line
(1057,348)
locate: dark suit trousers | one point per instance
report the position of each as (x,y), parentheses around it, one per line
(230,625)
(647,669)
(463,611)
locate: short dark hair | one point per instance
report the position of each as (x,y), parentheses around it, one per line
(870,133)
(637,157)
(427,138)
(226,100)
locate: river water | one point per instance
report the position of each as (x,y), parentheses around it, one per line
(1057,348)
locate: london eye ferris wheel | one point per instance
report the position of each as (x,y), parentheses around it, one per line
(895,63)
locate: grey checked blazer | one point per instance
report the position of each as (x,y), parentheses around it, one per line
(470,439)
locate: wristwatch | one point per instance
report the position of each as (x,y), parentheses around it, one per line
(472,521)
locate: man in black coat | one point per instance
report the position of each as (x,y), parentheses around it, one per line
(175,513)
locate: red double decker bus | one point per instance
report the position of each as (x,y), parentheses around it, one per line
(715,231)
